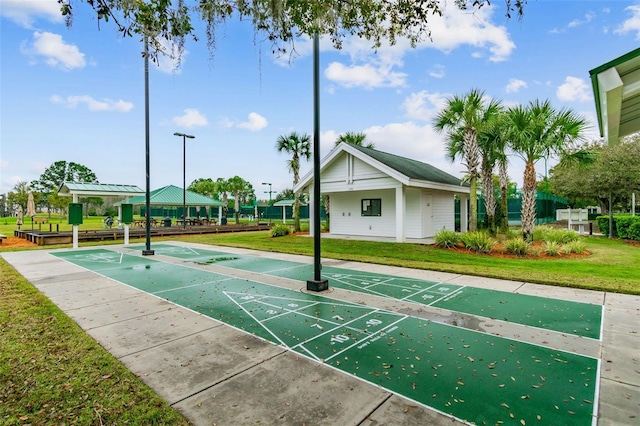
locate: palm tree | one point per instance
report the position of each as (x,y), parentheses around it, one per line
(239,187)
(355,139)
(222,188)
(463,118)
(536,131)
(491,142)
(299,146)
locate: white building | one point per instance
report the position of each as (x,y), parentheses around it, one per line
(377,194)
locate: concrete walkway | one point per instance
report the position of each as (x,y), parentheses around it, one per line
(216,374)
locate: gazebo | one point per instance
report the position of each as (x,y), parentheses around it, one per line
(170,196)
(284,204)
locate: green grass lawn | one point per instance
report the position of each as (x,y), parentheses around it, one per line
(52,372)
(612,266)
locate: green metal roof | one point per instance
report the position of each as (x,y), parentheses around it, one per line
(98,189)
(287,203)
(173,196)
(411,168)
(616,88)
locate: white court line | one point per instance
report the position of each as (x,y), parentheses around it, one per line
(452,294)
(258,321)
(341,325)
(418,292)
(359,342)
(354,285)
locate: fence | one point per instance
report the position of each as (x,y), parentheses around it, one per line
(264,212)
(546,206)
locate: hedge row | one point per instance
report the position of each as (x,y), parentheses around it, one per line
(627,227)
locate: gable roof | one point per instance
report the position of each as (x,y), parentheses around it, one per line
(171,195)
(406,170)
(616,89)
(411,168)
(98,189)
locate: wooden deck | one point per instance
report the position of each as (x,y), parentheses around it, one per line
(43,238)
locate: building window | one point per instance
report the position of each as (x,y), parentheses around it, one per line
(371,207)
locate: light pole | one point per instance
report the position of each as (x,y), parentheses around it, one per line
(147,251)
(269,191)
(184,176)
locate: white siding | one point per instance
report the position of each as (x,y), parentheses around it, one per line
(348,173)
(346,216)
(443,212)
(413,215)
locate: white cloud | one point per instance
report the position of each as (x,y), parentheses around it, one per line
(172,59)
(437,71)
(632,24)
(55,51)
(413,141)
(424,105)
(191,118)
(588,17)
(574,89)
(367,76)
(370,69)
(93,104)
(515,85)
(25,12)
(256,122)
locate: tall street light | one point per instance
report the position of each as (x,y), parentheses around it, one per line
(184,176)
(270,192)
(147,250)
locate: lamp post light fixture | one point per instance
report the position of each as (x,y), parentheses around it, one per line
(184,176)
(269,191)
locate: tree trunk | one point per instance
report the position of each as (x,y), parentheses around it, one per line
(237,207)
(504,201)
(489,196)
(473,204)
(528,201)
(327,210)
(296,213)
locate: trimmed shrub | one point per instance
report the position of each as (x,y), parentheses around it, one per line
(517,246)
(446,238)
(561,236)
(552,248)
(540,232)
(279,230)
(479,242)
(634,230)
(577,247)
(622,226)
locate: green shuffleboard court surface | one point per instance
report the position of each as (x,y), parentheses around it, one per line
(582,319)
(473,376)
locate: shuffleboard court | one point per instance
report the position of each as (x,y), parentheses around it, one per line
(582,319)
(476,377)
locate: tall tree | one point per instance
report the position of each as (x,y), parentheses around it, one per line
(222,188)
(593,172)
(491,142)
(54,175)
(242,191)
(298,146)
(355,138)
(463,117)
(280,21)
(18,196)
(537,131)
(204,186)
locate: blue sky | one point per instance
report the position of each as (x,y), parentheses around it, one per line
(78,94)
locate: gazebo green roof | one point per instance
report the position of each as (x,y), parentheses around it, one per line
(98,189)
(171,195)
(287,203)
